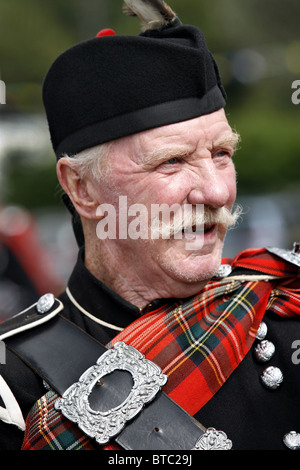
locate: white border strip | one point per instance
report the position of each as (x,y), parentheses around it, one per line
(12,413)
(85,312)
(43,319)
(251,277)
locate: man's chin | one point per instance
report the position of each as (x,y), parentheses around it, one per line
(193,272)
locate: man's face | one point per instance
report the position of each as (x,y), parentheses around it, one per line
(184,163)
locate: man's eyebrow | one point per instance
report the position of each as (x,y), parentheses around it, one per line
(159,155)
(232,140)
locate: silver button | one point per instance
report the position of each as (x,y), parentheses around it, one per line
(292,440)
(262,331)
(45,303)
(264,351)
(272,377)
(224,270)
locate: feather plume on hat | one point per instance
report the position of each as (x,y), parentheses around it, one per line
(154,14)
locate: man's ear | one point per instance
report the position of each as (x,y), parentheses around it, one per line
(78,188)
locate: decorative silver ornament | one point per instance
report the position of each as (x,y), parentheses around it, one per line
(292,440)
(291,256)
(45,303)
(264,351)
(224,270)
(262,331)
(272,377)
(147,378)
(213,440)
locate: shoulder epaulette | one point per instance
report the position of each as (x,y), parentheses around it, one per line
(42,311)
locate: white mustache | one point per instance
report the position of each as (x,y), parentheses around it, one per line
(192,221)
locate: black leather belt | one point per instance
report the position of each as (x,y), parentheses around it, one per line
(60,352)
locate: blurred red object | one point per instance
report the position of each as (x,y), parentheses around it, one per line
(20,238)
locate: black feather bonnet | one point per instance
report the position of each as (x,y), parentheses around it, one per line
(113,85)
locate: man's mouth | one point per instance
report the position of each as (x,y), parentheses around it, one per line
(207,228)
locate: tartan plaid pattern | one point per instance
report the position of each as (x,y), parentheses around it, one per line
(198,343)
(49,430)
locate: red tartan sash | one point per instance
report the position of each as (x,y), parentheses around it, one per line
(198,343)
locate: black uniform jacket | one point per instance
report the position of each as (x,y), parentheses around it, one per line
(252,416)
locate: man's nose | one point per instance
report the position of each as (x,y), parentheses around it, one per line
(209,188)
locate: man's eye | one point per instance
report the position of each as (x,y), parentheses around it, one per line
(173,160)
(223,153)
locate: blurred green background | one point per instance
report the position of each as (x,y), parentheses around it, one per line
(257,47)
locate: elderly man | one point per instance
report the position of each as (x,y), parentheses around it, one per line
(138,124)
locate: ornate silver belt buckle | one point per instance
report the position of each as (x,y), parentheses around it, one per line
(147,381)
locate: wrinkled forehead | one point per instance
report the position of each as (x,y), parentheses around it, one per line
(179,138)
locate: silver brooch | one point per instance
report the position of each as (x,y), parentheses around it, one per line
(147,380)
(292,440)
(291,256)
(264,351)
(262,331)
(272,377)
(224,270)
(45,303)
(213,440)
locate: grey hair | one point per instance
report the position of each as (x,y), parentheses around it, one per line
(93,160)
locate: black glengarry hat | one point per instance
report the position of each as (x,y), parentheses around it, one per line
(114,86)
